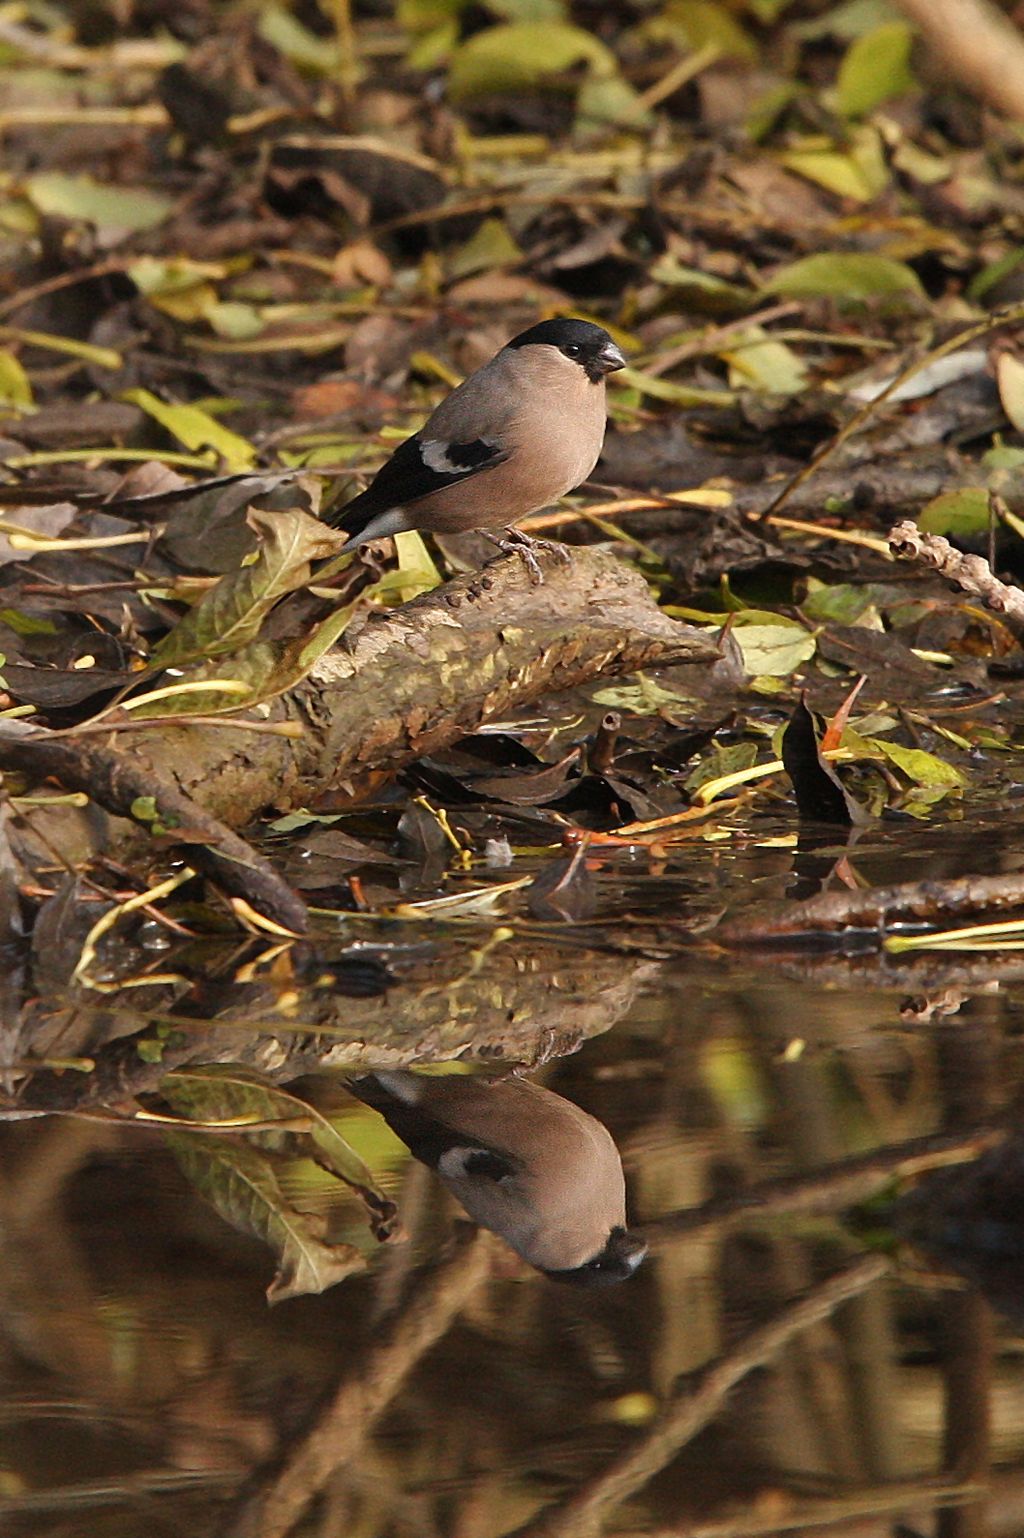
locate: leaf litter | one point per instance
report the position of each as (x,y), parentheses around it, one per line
(244,262)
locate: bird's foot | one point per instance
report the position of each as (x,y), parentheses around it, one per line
(525,546)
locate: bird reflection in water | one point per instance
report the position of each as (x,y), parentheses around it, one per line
(538,1171)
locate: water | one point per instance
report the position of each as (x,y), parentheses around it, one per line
(448,1389)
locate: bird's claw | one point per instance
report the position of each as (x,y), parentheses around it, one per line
(525,546)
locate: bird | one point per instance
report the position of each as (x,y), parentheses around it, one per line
(524,1162)
(515,436)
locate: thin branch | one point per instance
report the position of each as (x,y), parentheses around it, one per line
(972,573)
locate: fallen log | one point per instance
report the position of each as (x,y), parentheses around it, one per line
(406,683)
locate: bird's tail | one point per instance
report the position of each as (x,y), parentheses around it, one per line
(350,517)
(363,519)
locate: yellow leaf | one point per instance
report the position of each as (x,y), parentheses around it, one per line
(15,388)
(1010,378)
(195,428)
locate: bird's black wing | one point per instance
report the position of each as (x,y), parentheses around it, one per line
(429,1139)
(418,467)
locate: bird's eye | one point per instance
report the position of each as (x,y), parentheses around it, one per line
(572,349)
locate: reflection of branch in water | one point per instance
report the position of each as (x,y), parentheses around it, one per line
(689,1413)
(967,1368)
(272,1506)
(836,1185)
(116,1490)
(888,1500)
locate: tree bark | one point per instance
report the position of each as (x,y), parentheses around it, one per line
(407,682)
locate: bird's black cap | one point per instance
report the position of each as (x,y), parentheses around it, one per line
(562,333)
(586,344)
(615,1263)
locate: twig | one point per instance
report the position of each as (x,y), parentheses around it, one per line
(1010,314)
(970,572)
(344,1423)
(690,1412)
(26,296)
(710,340)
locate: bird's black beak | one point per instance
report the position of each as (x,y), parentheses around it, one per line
(627,1249)
(616,1262)
(609,359)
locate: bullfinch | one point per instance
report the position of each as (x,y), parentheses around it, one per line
(527,1164)
(512,438)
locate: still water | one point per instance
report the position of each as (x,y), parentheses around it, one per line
(824,1337)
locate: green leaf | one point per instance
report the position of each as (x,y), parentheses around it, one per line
(528,10)
(239,1181)
(265,668)
(994,273)
(853,276)
(27,624)
(229,616)
(519,55)
(219,1092)
(702,289)
(416,572)
(757,360)
(115,211)
(703,24)
(283,31)
(1002,456)
(666,390)
(195,428)
(832,170)
(841,604)
(99,357)
(859,170)
(773,651)
(846,20)
(292,822)
(722,762)
(644,697)
(961,513)
(769,107)
(181,288)
(234,321)
(921,767)
(491,245)
(875,68)
(605,99)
